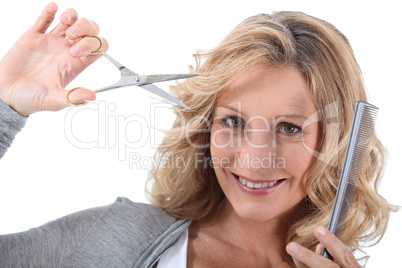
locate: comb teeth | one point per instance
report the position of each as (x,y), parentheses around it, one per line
(360,137)
(359,140)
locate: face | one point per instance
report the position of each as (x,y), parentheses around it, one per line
(259,140)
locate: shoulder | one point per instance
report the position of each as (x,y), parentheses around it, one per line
(126,233)
(124,210)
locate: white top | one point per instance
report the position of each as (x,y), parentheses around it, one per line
(176,255)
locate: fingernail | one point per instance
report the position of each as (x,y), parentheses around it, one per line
(73,31)
(75,51)
(294,247)
(322,231)
(67,15)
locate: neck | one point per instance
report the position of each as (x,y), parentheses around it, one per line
(265,240)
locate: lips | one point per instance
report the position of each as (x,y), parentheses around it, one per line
(258,187)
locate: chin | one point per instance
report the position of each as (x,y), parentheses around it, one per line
(259,213)
(250,211)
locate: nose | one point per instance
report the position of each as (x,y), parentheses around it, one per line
(258,151)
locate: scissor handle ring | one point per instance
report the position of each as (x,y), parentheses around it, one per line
(71,103)
(100,48)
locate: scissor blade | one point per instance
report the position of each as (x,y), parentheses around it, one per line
(156,90)
(124,81)
(140,80)
(167,77)
(123,69)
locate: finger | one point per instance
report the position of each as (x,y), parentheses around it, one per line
(79,95)
(82,27)
(67,18)
(308,257)
(87,45)
(45,18)
(318,248)
(341,254)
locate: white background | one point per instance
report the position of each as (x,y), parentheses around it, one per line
(45,174)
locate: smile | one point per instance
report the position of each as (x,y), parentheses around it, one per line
(257,185)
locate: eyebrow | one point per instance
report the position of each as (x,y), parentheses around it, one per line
(230,108)
(296,116)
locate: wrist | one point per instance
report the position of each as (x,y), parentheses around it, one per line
(3,98)
(7,102)
(12,115)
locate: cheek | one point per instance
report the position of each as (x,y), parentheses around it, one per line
(299,155)
(302,155)
(222,147)
(299,159)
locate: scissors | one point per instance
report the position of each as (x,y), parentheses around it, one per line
(130,78)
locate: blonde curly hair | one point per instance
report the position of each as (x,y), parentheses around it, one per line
(323,54)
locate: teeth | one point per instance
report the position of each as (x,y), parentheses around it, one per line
(250,184)
(243,181)
(272,183)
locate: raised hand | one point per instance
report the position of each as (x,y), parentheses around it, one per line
(35,71)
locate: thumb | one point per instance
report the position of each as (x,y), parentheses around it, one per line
(78,96)
(319,248)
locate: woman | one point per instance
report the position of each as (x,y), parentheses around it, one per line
(263,152)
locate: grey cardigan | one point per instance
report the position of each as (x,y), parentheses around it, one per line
(123,234)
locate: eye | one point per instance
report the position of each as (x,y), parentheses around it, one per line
(289,129)
(232,122)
